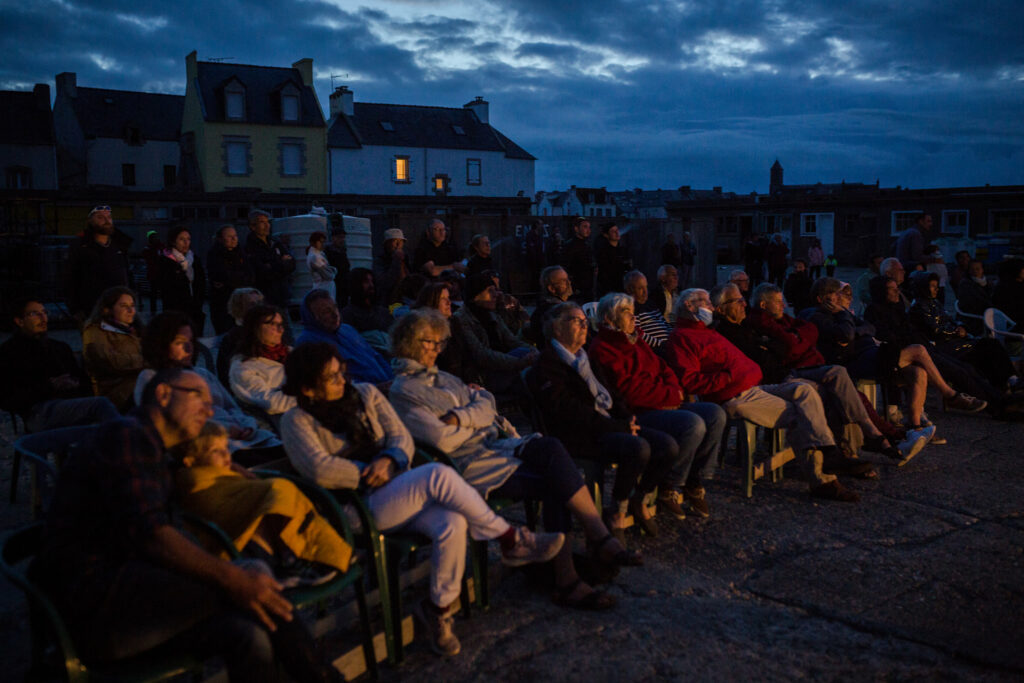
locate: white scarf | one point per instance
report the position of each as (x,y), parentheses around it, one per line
(581,364)
(185,261)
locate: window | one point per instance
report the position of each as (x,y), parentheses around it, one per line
(386,125)
(591,211)
(292,156)
(728,225)
(18,178)
(401,170)
(128,175)
(774,223)
(901,220)
(289,107)
(816,224)
(237,156)
(170,176)
(235,105)
(441,184)
(458,130)
(1008,220)
(810,224)
(473,176)
(956,222)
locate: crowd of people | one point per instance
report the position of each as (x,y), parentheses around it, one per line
(427,350)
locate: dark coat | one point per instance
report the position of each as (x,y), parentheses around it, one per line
(26,366)
(93,268)
(612,264)
(270,268)
(178,293)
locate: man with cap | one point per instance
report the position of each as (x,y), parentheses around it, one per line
(391,266)
(97,262)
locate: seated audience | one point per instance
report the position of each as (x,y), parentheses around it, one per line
(664,295)
(257,368)
(436,253)
(462,421)
(797,288)
(862,287)
(707,364)
(494,356)
(169,342)
(892,267)
(650,324)
(480,258)
(555,287)
(321,321)
(508,308)
(644,384)
(112,346)
(363,312)
(937,265)
(959,270)
(974,295)
(345,435)
(437,295)
(41,381)
(239,303)
(126,581)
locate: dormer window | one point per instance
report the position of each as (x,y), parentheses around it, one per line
(386,125)
(234,102)
(289,95)
(459,130)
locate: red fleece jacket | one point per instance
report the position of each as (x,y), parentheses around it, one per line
(708,364)
(799,336)
(637,376)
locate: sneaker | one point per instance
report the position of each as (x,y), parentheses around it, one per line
(530,548)
(306,573)
(835,491)
(964,402)
(912,445)
(698,502)
(439,626)
(670,501)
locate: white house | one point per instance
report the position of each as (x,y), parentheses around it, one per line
(592,202)
(408,150)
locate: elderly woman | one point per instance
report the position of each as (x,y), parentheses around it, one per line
(112,346)
(169,342)
(182,279)
(461,420)
(345,435)
(257,368)
(644,383)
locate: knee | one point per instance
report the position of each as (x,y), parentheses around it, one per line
(715,421)
(641,451)
(452,528)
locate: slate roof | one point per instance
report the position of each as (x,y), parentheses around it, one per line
(23,121)
(419,126)
(106,113)
(262,85)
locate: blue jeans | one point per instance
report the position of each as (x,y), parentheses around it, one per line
(698,429)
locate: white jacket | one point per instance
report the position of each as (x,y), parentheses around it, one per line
(257,382)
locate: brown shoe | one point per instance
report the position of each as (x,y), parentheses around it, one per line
(697,499)
(835,491)
(670,501)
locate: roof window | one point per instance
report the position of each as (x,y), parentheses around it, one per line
(459,130)
(386,125)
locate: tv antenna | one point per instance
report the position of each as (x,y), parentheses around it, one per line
(219,59)
(333,76)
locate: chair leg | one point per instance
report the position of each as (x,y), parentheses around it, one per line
(369,653)
(394,580)
(392,629)
(15,471)
(746,441)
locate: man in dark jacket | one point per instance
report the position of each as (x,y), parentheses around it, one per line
(41,381)
(269,259)
(228,270)
(436,253)
(578,260)
(96,262)
(612,260)
(798,287)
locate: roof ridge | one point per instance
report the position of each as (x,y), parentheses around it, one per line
(131,92)
(251,66)
(414,106)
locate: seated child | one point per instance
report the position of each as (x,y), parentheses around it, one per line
(266,518)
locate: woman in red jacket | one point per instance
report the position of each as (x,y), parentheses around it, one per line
(645,383)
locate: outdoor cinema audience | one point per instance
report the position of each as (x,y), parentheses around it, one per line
(112,346)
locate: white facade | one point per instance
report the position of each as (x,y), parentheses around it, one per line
(28,166)
(371,170)
(559,204)
(106,157)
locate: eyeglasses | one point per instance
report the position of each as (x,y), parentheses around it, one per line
(334,377)
(733,301)
(198,393)
(578,321)
(434,343)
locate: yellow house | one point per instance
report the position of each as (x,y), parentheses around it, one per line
(253,127)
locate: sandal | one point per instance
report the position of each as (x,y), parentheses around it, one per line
(618,532)
(593,601)
(623,558)
(880,444)
(636,508)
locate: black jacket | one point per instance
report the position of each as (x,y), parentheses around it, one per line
(26,366)
(93,268)
(177,292)
(270,268)
(767,352)
(578,260)
(228,271)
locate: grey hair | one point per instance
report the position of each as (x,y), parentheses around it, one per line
(407,329)
(737,272)
(547,275)
(685,296)
(557,314)
(718,292)
(239,304)
(256,213)
(762,292)
(886,264)
(629,278)
(663,271)
(611,305)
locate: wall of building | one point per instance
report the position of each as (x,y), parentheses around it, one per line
(264,157)
(104,157)
(40,159)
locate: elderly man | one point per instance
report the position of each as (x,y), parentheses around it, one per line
(555,288)
(127,581)
(650,323)
(434,254)
(709,365)
(321,322)
(891,267)
(783,347)
(269,259)
(741,280)
(578,259)
(96,262)
(664,295)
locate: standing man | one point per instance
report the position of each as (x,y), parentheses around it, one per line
(688,257)
(434,254)
(579,260)
(670,252)
(910,245)
(270,260)
(337,255)
(96,263)
(777,253)
(612,260)
(228,269)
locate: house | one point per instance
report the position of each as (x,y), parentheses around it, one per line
(28,151)
(115,138)
(253,128)
(557,204)
(592,202)
(418,151)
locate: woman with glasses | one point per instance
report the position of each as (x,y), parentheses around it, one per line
(461,420)
(112,346)
(257,368)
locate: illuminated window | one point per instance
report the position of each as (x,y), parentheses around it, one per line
(401,170)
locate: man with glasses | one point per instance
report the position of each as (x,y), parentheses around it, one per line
(127,581)
(98,261)
(555,288)
(321,321)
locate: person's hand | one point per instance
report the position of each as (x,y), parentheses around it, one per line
(473,386)
(260,594)
(634,428)
(961,331)
(240,433)
(378,472)
(450,419)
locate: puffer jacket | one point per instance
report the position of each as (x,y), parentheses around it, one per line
(364,364)
(708,364)
(633,372)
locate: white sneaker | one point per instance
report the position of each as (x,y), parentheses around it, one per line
(912,445)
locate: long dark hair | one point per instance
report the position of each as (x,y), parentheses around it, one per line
(159,335)
(104,308)
(249,342)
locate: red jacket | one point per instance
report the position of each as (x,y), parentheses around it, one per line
(799,336)
(636,376)
(708,364)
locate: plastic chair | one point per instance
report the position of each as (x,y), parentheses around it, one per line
(998,325)
(969,316)
(746,449)
(590,310)
(37,449)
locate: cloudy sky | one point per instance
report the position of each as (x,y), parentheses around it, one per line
(616,93)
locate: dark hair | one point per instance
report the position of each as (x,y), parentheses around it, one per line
(555,314)
(410,286)
(605,227)
(356,277)
(249,341)
(17,309)
(173,233)
(962,251)
(430,296)
(167,375)
(824,286)
(314,238)
(303,366)
(158,337)
(105,303)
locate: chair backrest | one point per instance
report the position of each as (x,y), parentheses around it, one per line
(590,310)
(960,312)
(997,321)
(206,356)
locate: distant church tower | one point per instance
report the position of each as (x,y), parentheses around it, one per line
(775,184)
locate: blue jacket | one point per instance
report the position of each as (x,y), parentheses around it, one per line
(364,364)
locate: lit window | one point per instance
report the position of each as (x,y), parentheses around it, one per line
(289,107)
(386,125)
(441,184)
(402,170)
(473,176)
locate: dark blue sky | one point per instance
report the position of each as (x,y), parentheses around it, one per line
(626,93)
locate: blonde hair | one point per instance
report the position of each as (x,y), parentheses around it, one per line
(196,447)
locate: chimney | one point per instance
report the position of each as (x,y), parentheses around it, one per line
(41,93)
(191,70)
(67,84)
(305,67)
(717,189)
(479,107)
(341,102)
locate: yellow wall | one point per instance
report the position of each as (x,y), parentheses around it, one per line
(265,164)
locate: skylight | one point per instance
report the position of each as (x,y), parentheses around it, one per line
(386,125)
(458,130)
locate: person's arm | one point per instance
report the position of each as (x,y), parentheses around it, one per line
(693,379)
(103,359)
(250,385)
(308,454)
(486,357)
(398,444)
(480,411)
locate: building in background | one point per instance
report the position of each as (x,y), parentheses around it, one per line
(28,150)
